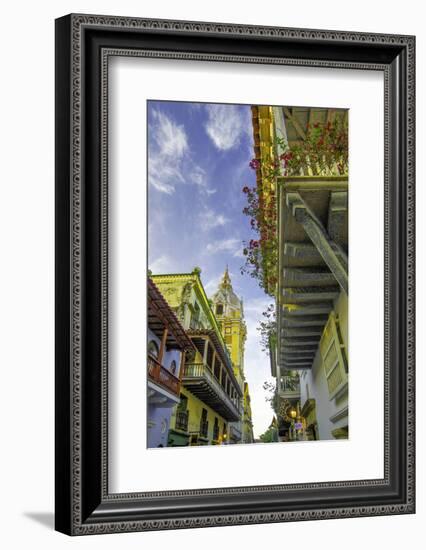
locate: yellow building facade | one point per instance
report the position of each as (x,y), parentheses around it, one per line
(211,396)
(229,312)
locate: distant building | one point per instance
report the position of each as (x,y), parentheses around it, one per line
(210,394)
(229,312)
(167,342)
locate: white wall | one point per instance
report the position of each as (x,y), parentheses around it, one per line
(26,218)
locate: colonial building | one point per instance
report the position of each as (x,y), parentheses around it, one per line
(210,394)
(309,352)
(167,342)
(229,312)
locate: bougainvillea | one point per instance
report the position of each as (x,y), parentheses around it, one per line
(323,152)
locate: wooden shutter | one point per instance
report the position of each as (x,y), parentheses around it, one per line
(333,361)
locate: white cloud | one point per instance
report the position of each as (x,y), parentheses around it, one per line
(169,162)
(224,245)
(209,220)
(160,265)
(212,284)
(198,176)
(225,125)
(170,137)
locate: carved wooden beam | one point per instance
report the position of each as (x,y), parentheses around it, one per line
(310,294)
(307,277)
(328,249)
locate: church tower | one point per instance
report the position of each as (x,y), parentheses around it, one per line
(229,312)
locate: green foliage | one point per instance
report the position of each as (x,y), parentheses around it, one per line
(271,395)
(270,436)
(268,328)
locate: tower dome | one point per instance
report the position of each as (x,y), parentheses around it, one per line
(225,299)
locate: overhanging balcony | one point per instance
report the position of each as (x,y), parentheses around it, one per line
(289,388)
(200,381)
(163,377)
(313,262)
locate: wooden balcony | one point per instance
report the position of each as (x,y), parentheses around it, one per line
(163,377)
(200,381)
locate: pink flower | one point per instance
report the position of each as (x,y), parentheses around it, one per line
(254,164)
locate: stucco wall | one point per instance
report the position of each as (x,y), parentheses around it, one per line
(195,407)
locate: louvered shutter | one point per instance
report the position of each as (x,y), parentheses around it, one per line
(331,349)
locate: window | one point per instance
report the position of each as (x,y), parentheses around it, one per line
(219,309)
(173,367)
(195,317)
(331,348)
(153,349)
(183,403)
(216,430)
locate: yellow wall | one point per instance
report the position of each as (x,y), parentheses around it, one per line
(234,333)
(195,407)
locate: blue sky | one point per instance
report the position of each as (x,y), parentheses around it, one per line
(198,163)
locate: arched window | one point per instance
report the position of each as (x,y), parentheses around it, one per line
(219,309)
(173,367)
(153,349)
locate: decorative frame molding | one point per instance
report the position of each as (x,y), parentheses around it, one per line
(84,43)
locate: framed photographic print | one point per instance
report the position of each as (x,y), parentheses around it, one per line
(234,274)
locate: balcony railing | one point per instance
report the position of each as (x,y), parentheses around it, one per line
(162,376)
(204,428)
(199,379)
(289,387)
(182,421)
